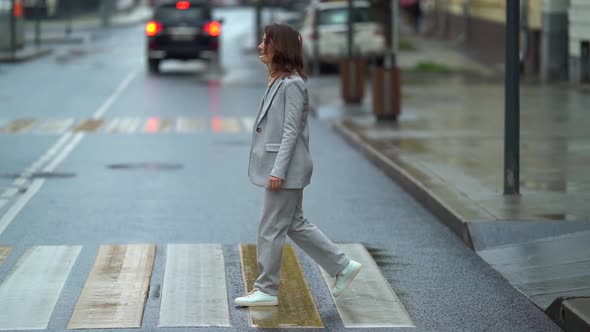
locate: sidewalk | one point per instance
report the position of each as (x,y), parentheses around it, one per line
(447,151)
(82,30)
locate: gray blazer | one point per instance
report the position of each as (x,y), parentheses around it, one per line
(280,138)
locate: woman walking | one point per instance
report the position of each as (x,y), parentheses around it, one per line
(281,163)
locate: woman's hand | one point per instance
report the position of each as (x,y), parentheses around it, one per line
(274,183)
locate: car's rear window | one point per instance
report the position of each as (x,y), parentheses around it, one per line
(340,15)
(171,14)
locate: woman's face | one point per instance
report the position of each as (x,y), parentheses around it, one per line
(265,52)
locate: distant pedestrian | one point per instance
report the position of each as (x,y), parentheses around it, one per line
(281,163)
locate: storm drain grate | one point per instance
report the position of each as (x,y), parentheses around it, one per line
(146,166)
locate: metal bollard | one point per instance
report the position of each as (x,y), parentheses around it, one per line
(585,62)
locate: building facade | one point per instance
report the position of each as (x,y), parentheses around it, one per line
(554,34)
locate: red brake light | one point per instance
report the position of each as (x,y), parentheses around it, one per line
(183,5)
(213,28)
(18,9)
(153,28)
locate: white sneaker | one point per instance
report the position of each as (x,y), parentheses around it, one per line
(344,278)
(257,298)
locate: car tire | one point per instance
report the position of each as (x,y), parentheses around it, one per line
(154,66)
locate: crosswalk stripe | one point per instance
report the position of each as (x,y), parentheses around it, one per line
(55,126)
(369,302)
(189,125)
(8,193)
(248,123)
(194,291)
(114,126)
(296,307)
(129,125)
(116,290)
(4,253)
(123,125)
(31,290)
(17,126)
(89,125)
(156,125)
(227,125)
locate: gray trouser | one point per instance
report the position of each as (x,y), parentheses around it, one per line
(282,216)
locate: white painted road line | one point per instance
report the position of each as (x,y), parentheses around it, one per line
(18,182)
(113,126)
(369,302)
(31,290)
(120,88)
(189,125)
(19,204)
(56,126)
(8,193)
(248,124)
(115,293)
(3,202)
(64,153)
(194,291)
(7,218)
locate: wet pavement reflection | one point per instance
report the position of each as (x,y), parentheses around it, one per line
(450,138)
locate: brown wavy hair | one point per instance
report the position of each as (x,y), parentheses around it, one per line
(287,45)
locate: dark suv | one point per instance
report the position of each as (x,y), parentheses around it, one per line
(182,30)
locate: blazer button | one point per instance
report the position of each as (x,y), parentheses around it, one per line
(258,130)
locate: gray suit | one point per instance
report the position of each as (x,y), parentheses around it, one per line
(280,147)
(280,143)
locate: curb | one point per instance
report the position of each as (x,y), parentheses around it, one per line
(59,40)
(564,312)
(409,184)
(21,58)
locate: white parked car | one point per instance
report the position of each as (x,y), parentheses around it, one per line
(369,40)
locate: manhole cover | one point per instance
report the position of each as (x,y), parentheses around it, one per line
(146,166)
(40,175)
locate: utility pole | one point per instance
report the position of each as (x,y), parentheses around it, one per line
(258,21)
(316,43)
(350,29)
(12,29)
(69,22)
(512,101)
(38,25)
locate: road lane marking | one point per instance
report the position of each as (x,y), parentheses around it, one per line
(13,211)
(296,307)
(3,202)
(55,126)
(130,125)
(248,124)
(123,125)
(4,253)
(116,290)
(31,290)
(189,125)
(8,193)
(89,125)
(18,182)
(194,293)
(118,91)
(369,301)
(17,126)
(114,126)
(64,153)
(19,204)
(229,125)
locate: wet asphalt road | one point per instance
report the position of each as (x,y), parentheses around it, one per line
(208,198)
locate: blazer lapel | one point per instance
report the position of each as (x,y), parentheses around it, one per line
(268,100)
